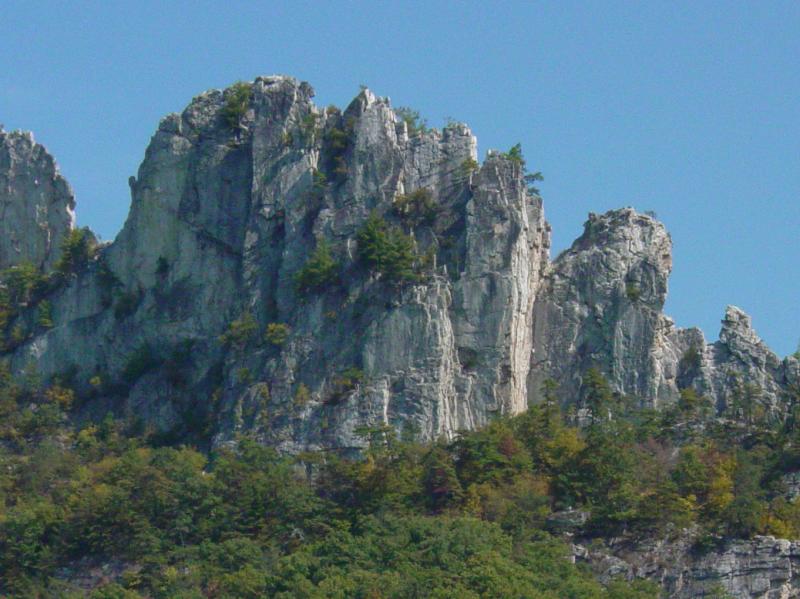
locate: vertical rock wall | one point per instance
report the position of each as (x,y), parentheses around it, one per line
(36,203)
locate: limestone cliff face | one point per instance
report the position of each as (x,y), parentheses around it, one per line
(225,211)
(763,567)
(600,305)
(36,203)
(167,323)
(223,217)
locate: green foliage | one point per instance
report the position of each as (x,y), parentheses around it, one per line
(77,250)
(140,362)
(689,366)
(337,141)
(468,517)
(387,250)
(632,291)
(301,395)
(240,332)
(345,383)
(415,124)
(319,182)
(277,333)
(514,154)
(416,208)
(466,169)
(597,395)
(319,273)
(531,179)
(308,128)
(237,100)
(24,283)
(127,303)
(440,482)
(44,314)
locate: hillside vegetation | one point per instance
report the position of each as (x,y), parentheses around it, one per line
(108,509)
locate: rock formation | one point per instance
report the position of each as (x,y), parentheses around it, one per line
(36,203)
(224,217)
(763,567)
(193,321)
(235,194)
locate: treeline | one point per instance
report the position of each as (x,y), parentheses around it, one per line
(464,518)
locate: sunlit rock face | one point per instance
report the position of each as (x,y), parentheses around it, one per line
(36,203)
(230,203)
(600,306)
(223,216)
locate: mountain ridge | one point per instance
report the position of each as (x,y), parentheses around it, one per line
(232,199)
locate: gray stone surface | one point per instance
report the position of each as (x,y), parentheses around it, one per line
(221,221)
(36,203)
(763,568)
(600,305)
(223,217)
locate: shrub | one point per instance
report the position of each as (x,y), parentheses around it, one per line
(335,143)
(127,303)
(417,207)
(44,315)
(691,359)
(531,179)
(308,128)
(237,99)
(514,154)
(240,331)
(319,272)
(277,333)
(318,184)
(107,281)
(140,362)
(387,250)
(411,118)
(24,282)
(344,383)
(243,376)
(466,168)
(77,250)
(302,395)
(633,292)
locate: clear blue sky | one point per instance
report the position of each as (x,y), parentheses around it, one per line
(690,109)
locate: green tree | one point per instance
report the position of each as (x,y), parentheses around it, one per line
(77,250)
(597,395)
(442,487)
(386,250)
(237,100)
(319,273)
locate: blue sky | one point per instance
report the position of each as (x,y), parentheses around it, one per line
(689,109)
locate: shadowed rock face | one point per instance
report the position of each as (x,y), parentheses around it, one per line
(36,203)
(226,211)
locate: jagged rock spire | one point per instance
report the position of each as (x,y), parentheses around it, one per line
(36,202)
